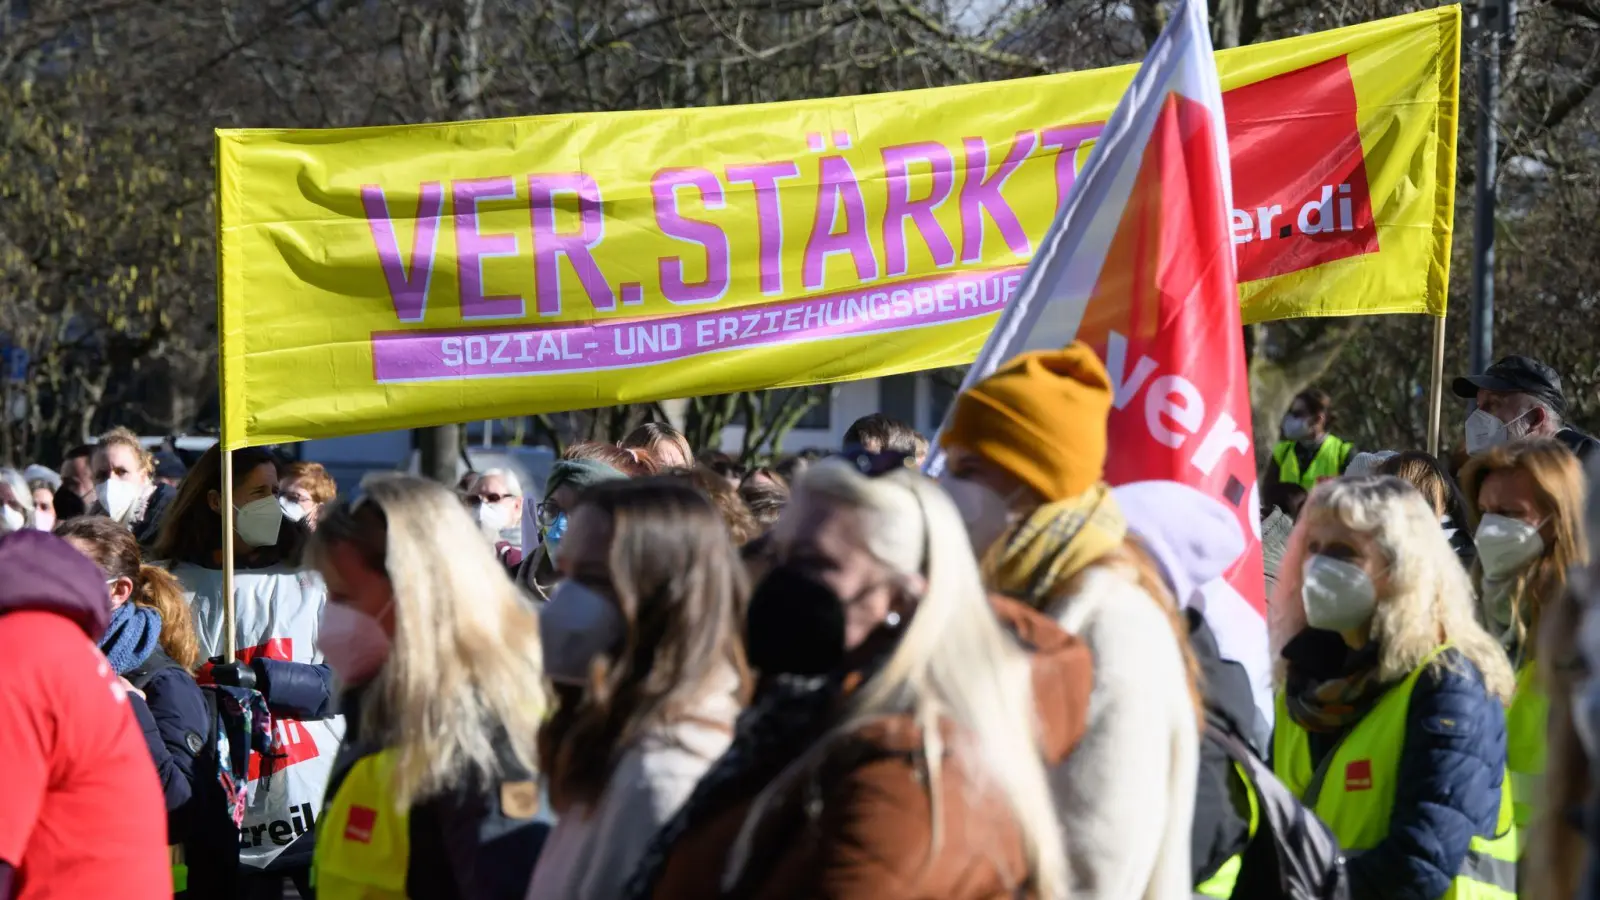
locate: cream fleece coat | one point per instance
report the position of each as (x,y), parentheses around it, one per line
(592,853)
(1126,794)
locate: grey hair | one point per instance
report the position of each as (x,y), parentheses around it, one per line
(513,484)
(1555,418)
(19,489)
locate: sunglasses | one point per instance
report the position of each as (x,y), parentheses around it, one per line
(480,499)
(882,463)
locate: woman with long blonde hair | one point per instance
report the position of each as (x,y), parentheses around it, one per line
(1528,501)
(904,758)
(1389,709)
(434,792)
(125,487)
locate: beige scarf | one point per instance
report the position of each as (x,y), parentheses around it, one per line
(1055,543)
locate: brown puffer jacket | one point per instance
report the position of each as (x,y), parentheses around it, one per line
(858,823)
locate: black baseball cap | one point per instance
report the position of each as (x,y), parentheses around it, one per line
(1516,375)
(168,465)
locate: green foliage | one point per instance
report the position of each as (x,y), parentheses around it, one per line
(107,254)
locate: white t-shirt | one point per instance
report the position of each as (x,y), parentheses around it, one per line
(276,614)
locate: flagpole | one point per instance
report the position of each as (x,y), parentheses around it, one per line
(228,648)
(1436,386)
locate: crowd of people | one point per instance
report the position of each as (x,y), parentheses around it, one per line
(661,675)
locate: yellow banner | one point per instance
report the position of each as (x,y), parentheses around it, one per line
(392,277)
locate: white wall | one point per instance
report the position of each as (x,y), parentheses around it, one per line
(851,400)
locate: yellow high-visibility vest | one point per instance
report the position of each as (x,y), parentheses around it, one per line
(1221,884)
(1356,793)
(363,842)
(1525,743)
(180,869)
(1328,463)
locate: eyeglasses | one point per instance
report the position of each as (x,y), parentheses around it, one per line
(874,464)
(480,499)
(547,513)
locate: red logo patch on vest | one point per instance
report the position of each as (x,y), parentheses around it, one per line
(1357,775)
(359,826)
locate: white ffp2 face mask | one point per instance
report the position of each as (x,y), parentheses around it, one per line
(492,519)
(353,643)
(116,498)
(577,625)
(292,511)
(1506,545)
(987,514)
(11,520)
(1485,431)
(1338,596)
(259,521)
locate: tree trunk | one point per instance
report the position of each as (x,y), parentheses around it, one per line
(440,449)
(1288,357)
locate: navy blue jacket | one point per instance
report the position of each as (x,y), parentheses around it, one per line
(176,723)
(178,726)
(1451,769)
(296,690)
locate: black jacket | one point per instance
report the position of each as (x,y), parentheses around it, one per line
(173,715)
(464,844)
(1221,826)
(147,527)
(178,723)
(1579,443)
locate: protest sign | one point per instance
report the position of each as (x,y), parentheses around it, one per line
(402,276)
(1140,265)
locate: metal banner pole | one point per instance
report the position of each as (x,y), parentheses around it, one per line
(229,651)
(1436,387)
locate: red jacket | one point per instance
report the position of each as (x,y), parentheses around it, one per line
(84,813)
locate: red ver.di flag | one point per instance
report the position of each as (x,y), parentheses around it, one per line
(1140,265)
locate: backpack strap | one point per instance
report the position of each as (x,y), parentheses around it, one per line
(1293,853)
(154,664)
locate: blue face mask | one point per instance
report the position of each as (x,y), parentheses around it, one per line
(553,534)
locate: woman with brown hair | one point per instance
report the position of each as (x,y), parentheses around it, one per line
(151,644)
(276,611)
(634,463)
(742,526)
(1527,498)
(1430,478)
(648,621)
(666,445)
(304,489)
